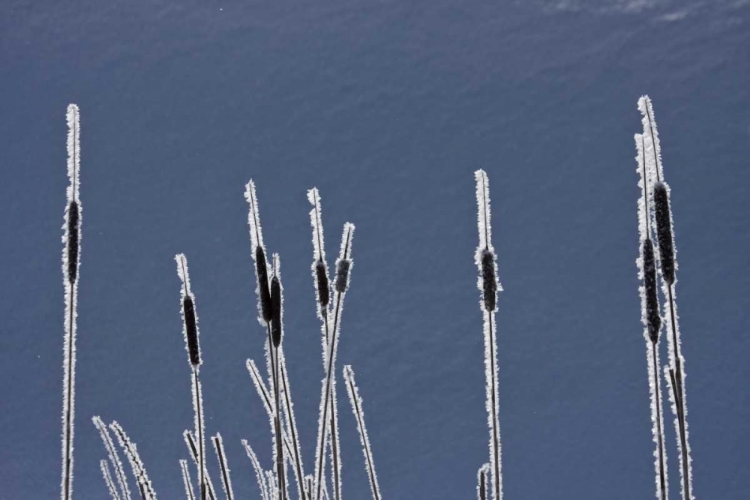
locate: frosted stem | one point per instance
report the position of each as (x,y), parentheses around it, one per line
(193,449)
(222,457)
(139,471)
(489,285)
(259,476)
(187,482)
(114,457)
(108,480)
(359,414)
(328,398)
(291,424)
(70,263)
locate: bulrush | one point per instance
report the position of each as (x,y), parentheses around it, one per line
(276,311)
(320,268)
(259,254)
(489,286)
(74,239)
(190,331)
(328,404)
(71,258)
(274,340)
(661,217)
(651,321)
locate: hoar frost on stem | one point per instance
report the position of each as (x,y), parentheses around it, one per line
(661,219)
(489,286)
(70,264)
(651,320)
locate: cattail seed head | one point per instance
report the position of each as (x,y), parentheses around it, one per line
(653,319)
(73,240)
(321,278)
(264,294)
(189,316)
(276,311)
(489,281)
(191,330)
(342,275)
(663,217)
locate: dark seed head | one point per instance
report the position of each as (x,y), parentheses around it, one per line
(653,319)
(191,329)
(489,281)
(321,277)
(664,231)
(342,275)
(261,272)
(74,236)
(276,311)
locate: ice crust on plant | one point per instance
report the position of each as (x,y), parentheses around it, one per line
(490,337)
(131,452)
(114,457)
(672,330)
(70,266)
(259,474)
(359,414)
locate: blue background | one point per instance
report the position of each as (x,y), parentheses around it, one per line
(387,107)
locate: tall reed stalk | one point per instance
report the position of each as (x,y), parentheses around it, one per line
(489,286)
(191,333)
(71,261)
(651,320)
(663,225)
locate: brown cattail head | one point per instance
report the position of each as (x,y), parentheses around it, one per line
(276,311)
(323,287)
(73,240)
(344,262)
(264,294)
(342,275)
(653,320)
(191,330)
(189,317)
(489,281)
(663,216)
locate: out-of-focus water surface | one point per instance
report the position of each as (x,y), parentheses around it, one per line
(387,107)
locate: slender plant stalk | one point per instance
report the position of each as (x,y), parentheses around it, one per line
(265,397)
(359,415)
(104,466)
(139,470)
(113,456)
(291,425)
(71,261)
(188,483)
(224,467)
(259,476)
(190,442)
